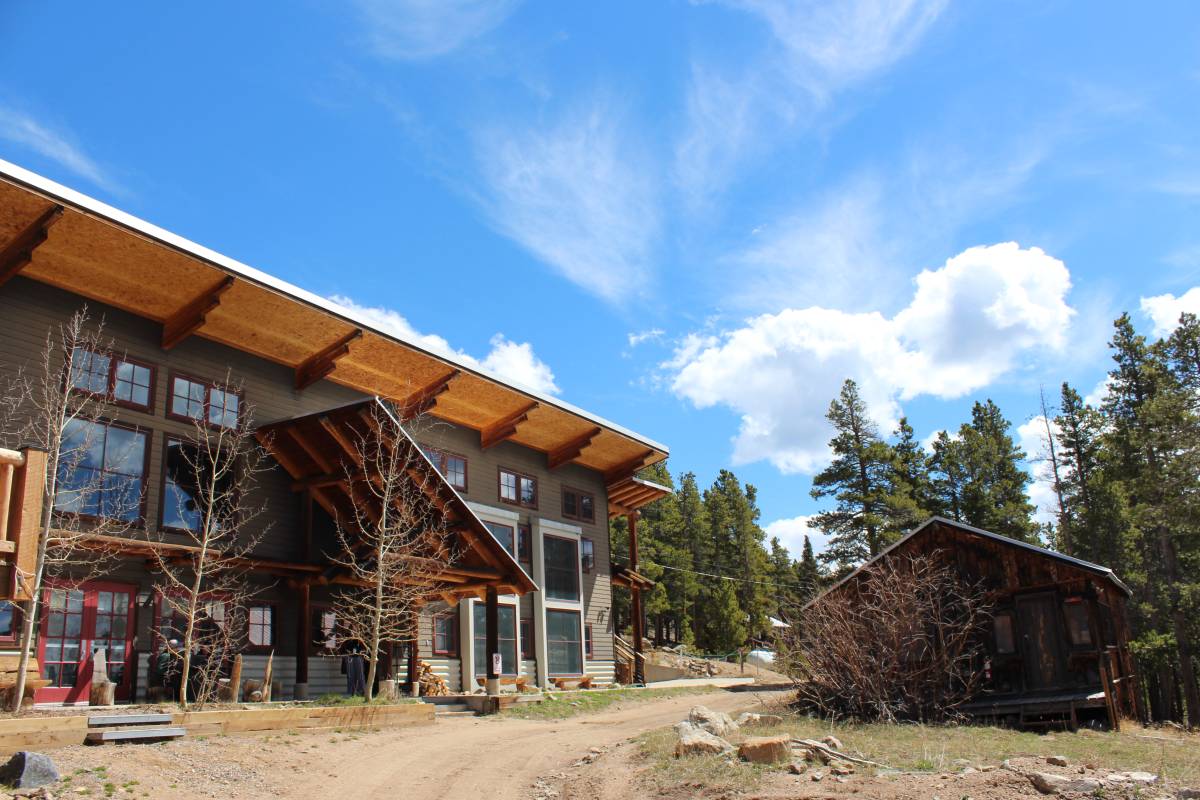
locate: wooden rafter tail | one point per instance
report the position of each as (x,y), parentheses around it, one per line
(17,254)
(506,427)
(191,317)
(425,398)
(311,450)
(627,469)
(322,363)
(571,450)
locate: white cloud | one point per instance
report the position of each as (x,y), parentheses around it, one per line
(578,196)
(513,361)
(1164,309)
(1032,438)
(791,533)
(24,130)
(1096,396)
(968,323)
(641,337)
(422,29)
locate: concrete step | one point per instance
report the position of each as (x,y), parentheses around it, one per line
(108,720)
(153,733)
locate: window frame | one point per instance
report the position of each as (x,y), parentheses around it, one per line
(162,484)
(582,657)
(587,555)
(209,387)
(489,524)
(251,647)
(500,471)
(525,543)
(110,392)
(440,464)
(575,571)
(106,423)
(1012,636)
(451,615)
(588,643)
(579,494)
(475,637)
(1077,605)
(317,647)
(16,620)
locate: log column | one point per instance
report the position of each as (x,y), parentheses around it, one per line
(414,684)
(635,591)
(492,622)
(304,613)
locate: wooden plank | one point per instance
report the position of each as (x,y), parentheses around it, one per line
(17,254)
(28,487)
(100,720)
(322,363)
(191,317)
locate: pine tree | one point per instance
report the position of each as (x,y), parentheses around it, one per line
(994,497)
(948,476)
(909,496)
(808,573)
(738,545)
(724,622)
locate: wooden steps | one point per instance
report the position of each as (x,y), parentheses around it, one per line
(105,728)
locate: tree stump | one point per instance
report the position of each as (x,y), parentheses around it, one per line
(103,691)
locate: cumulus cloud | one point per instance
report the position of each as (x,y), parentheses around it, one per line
(968,323)
(578,195)
(1164,309)
(513,361)
(21,129)
(421,29)
(791,532)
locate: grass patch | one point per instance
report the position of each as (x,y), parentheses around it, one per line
(560,705)
(715,775)
(359,700)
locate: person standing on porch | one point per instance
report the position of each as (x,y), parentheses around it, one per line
(354,668)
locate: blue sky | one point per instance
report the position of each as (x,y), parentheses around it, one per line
(695,219)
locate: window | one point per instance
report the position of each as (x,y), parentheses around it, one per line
(122,380)
(587,640)
(564,649)
(578,505)
(562,568)
(507,639)
(171,620)
(261,630)
(452,466)
(1003,629)
(504,533)
(183,501)
(324,629)
(525,542)
(1079,627)
(101,472)
(191,399)
(445,634)
(528,651)
(587,554)
(517,489)
(8,620)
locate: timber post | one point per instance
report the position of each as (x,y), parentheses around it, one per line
(639,666)
(414,682)
(303,615)
(492,623)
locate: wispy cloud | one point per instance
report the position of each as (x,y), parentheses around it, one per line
(579,195)
(415,30)
(515,361)
(641,337)
(23,130)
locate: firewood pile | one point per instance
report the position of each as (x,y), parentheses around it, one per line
(432,685)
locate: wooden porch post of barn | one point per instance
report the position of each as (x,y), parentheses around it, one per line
(414,681)
(635,591)
(492,622)
(303,615)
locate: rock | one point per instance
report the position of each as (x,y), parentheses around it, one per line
(28,770)
(718,723)
(765,749)
(797,768)
(842,769)
(1188,794)
(1140,777)
(833,742)
(1058,761)
(816,776)
(695,741)
(967,771)
(747,718)
(1048,783)
(961,762)
(988,768)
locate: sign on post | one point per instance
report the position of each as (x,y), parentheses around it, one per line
(496,664)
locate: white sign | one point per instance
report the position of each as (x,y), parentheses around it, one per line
(497,664)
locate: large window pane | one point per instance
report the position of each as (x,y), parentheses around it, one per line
(183,503)
(507,635)
(562,569)
(89,371)
(101,471)
(563,643)
(504,533)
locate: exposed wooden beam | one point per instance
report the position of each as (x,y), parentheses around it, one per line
(17,254)
(310,450)
(506,427)
(189,319)
(566,453)
(426,397)
(324,481)
(627,469)
(320,364)
(336,433)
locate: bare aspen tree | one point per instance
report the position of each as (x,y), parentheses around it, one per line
(208,534)
(398,542)
(93,484)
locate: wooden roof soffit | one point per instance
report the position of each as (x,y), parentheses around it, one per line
(566,453)
(320,364)
(426,397)
(506,427)
(627,470)
(17,254)
(189,319)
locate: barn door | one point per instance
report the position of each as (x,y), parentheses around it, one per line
(1041,641)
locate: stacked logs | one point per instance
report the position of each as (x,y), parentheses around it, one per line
(432,685)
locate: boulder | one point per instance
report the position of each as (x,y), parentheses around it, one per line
(1048,783)
(797,767)
(718,723)
(694,741)
(816,775)
(1188,794)
(1058,761)
(766,749)
(28,770)
(832,742)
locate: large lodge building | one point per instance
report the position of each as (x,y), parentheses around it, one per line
(527,481)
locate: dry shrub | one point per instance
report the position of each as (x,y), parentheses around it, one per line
(899,641)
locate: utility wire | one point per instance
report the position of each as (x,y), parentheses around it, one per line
(731,578)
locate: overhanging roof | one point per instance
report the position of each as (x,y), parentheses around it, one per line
(99,252)
(630,494)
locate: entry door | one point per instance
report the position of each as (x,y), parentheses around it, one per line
(76,623)
(1041,641)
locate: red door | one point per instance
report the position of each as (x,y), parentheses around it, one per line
(76,623)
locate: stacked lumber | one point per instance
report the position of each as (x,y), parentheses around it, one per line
(432,684)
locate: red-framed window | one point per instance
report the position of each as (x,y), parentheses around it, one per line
(124,381)
(587,640)
(194,399)
(587,554)
(578,505)
(525,542)
(518,489)
(102,471)
(445,633)
(260,626)
(181,496)
(10,620)
(170,622)
(452,466)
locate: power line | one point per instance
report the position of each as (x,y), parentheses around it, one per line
(776,584)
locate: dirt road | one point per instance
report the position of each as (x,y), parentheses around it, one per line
(457,759)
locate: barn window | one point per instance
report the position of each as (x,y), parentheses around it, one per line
(1003,629)
(1079,627)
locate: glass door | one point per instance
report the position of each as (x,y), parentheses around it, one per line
(61,646)
(78,622)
